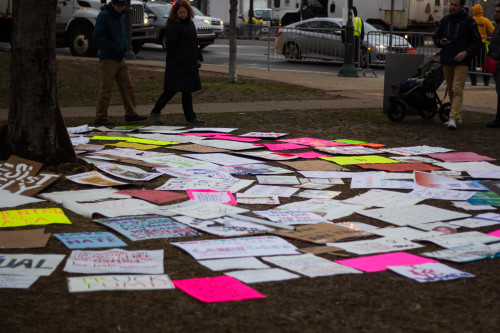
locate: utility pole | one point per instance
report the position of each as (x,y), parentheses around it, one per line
(348,68)
(129,55)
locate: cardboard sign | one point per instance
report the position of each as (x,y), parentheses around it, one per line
(314,165)
(400,167)
(24,239)
(20,176)
(321,233)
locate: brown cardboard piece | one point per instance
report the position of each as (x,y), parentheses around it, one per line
(313,165)
(322,233)
(24,239)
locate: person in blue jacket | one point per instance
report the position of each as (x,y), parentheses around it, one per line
(459,39)
(183,60)
(111,37)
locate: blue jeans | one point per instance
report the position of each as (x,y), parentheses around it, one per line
(187,103)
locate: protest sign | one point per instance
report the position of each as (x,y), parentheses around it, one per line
(237,247)
(430,272)
(91,239)
(17,281)
(291,216)
(217,289)
(310,265)
(154,196)
(238,263)
(13,200)
(115,261)
(378,263)
(223,226)
(145,227)
(29,264)
(119,282)
(94,178)
(262,275)
(20,218)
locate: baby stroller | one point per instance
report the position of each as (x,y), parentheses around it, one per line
(418,93)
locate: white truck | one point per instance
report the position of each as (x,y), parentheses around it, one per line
(75,21)
(409,15)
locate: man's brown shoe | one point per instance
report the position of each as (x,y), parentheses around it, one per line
(135,118)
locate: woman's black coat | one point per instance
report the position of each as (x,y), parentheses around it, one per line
(183,54)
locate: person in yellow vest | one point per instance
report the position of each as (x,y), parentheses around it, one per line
(359,33)
(485,28)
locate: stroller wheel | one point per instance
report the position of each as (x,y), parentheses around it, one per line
(444,112)
(397,111)
(428,114)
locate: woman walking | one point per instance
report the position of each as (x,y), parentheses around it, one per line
(183,60)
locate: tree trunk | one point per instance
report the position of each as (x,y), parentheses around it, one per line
(36,129)
(233,76)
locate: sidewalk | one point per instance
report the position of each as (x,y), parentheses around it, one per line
(356,93)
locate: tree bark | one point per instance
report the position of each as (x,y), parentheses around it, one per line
(35,129)
(233,8)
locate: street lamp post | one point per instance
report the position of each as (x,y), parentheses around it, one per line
(348,68)
(128,25)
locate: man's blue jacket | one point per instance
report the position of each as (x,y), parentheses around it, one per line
(110,34)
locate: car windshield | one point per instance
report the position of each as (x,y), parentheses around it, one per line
(369,28)
(162,10)
(264,14)
(197,11)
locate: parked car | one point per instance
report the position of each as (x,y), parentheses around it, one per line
(321,38)
(215,22)
(158,13)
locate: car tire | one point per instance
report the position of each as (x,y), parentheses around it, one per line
(81,42)
(291,51)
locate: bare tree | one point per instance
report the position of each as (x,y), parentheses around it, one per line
(35,129)
(233,76)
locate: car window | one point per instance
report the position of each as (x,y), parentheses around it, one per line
(330,27)
(309,25)
(163,11)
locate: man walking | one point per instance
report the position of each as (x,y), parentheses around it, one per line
(110,35)
(458,37)
(494,52)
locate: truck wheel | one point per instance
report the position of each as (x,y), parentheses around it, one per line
(136,46)
(81,42)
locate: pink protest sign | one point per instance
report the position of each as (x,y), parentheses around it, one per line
(310,154)
(204,134)
(379,262)
(233,138)
(156,196)
(495,233)
(224,197)
(281,146)
(217,289)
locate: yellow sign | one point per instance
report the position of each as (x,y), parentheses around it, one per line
(368,159)
(19,218)
(130,139)
(132,145)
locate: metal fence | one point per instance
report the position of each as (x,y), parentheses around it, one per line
(326,45)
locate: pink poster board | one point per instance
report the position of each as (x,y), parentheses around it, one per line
(379,262)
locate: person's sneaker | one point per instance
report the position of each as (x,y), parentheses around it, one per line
(135,117)
(103,121)
(156,118)
(195,121)
(493,124)
(452,125)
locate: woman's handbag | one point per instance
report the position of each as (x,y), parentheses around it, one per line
(490,64)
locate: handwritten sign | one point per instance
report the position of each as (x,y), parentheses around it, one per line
(217,289)
(19,218)
(115,261)
(237,247)
(144,227)
(119,282)
(430,272)
(93,239)
(322,233)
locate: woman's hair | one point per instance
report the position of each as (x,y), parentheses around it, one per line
(175,8)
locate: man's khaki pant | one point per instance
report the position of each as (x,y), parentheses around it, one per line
(112,70)
(455,76)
